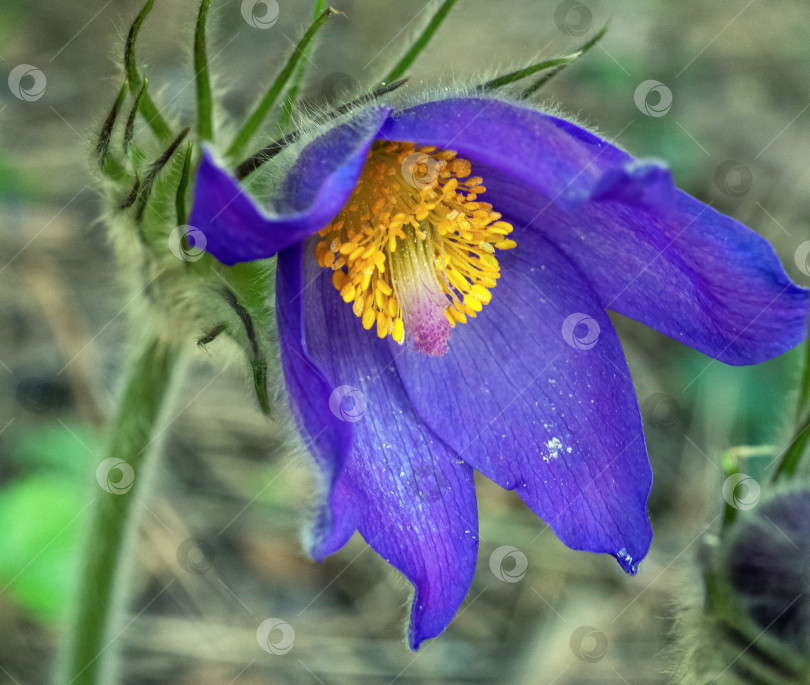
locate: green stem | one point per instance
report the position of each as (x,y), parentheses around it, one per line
(410,57)
(147,108)
(803,403)
(261,111)
(295,86)
(205,126)
(513,76)
(545,78)
(792,456)
(104,554)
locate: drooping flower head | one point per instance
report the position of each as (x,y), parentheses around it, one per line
(444,272)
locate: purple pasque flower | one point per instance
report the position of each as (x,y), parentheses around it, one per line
(426,332)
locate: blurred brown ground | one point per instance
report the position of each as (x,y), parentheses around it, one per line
(738,73)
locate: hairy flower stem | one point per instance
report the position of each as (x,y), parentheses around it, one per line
(105,552)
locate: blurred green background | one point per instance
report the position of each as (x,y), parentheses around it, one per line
(219,548)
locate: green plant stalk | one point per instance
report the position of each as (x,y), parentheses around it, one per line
(545,78)
(803,403)
(792,456)
(105,550)
(410,57)
(146,106)
(295,86)
(513,76)
(261,111)
(205,126)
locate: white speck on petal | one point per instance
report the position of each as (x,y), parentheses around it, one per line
(554,446)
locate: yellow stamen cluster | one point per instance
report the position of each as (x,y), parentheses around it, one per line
(412,241)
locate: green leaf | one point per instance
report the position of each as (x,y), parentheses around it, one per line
(255,161)
(791,458)
(154,169)
(105,135)
(148,110)
(300,72)
(410,57)
(182,189)
(803,403)
(513,76)
(205,126)
(130,126)
(545,78)
(64,450)
(261,111)
(40,523)
(258,364)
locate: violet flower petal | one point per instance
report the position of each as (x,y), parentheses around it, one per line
(237,229)
(651,251)
(415,500)
(535,393)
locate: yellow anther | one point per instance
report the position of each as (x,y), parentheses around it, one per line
(415,259)
(347,292)
(382,325)
(481,293)
(473,303)
(398,331)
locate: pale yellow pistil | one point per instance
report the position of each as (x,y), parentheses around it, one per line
(413,249)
